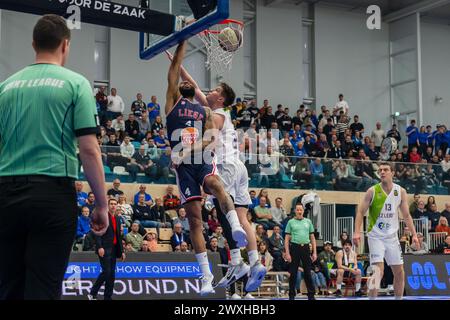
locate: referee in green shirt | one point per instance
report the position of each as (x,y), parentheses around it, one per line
(44,109)
(299,234)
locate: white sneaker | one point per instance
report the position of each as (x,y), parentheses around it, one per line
(207,285)
(256,277)
(390,288)
(248,296)
(239,236)
(235,296)
(234,273)
(91,297)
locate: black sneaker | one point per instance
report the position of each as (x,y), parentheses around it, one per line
(358,293)
(338,293)
(311,297)
(291,297)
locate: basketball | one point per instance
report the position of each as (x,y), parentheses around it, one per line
(230,39)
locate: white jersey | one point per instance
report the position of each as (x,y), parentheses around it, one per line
(227,148)
(383,212)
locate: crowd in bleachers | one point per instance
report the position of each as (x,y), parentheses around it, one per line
(309,150)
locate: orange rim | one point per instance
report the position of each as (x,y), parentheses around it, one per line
(226,21)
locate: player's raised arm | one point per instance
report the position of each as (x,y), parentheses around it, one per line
(404,209)
(185,76)
(173,93)
(360,211)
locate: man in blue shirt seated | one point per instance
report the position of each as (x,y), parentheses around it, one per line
(84,225)
(147,197)
(316,169)
(300,150)
(161,140)
(153,109)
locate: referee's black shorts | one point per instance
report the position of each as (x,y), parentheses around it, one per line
(38,219)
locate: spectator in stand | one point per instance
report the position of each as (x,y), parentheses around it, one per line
(276,249)
(144,124)
(279,111)
(279,213)
(433,217)
(430,201)
(316,168)
(102,100)
(286,148)
(347,266)
(444,248)
(84,225)
(147,197)
(157,126)
(214,247)
(348,147)
(356,126)
(141,163)
(342,238)
(377,136)
(446,212)
(119,124)
(126,210)
(405,154)
(132,127)
(421,249)
(154,109)
(254,111)
(178,237)
(138,106)
(263,215)
(445,164)
(152,240)
(341,105)
(414,156)
(213,221)
(413,135)
(422,140)
(328,127)
(267,118)
(90,202)
(158,214)
(134,238)
(115,105)
(285,121)
(127,149)
(372,152)
(357,141)
(261,234)
(443,225)
(145,246)
(299,150)
(151,149)
(309,146)
(264,107)
(171,200)
(109,128)
(255,200)
(161,140)
(394,133)
(184,247)
(414,204)
(264,193)
(298,120)
(337,152)
(115,192)
(428,155)
(327,258)
(244,117)
(183,220)
(81,196)
(142,214)
(341,126)
(384,155)
(265,257)
(221,241)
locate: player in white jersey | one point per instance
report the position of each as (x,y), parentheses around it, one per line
(384,201)
(235,178)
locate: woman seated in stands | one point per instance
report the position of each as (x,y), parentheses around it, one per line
(443,225)
(265,257)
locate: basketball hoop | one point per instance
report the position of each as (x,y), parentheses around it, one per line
(220,57)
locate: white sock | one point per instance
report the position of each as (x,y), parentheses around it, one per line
(357,286)
(253,257)
(236,257)
(202,259)
(233,219)
(339,286)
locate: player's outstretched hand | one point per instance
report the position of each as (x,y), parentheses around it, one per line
(99,220)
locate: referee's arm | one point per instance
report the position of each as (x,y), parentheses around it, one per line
(86,128)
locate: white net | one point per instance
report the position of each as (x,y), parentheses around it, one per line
(221,46)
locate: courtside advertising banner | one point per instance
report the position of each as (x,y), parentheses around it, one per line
(143,276)
(427,275)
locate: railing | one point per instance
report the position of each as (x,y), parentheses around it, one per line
(436,239)
(275,170)
(326,222)
(421,225)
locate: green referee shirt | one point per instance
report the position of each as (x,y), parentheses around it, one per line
(43,109)
(300,230)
